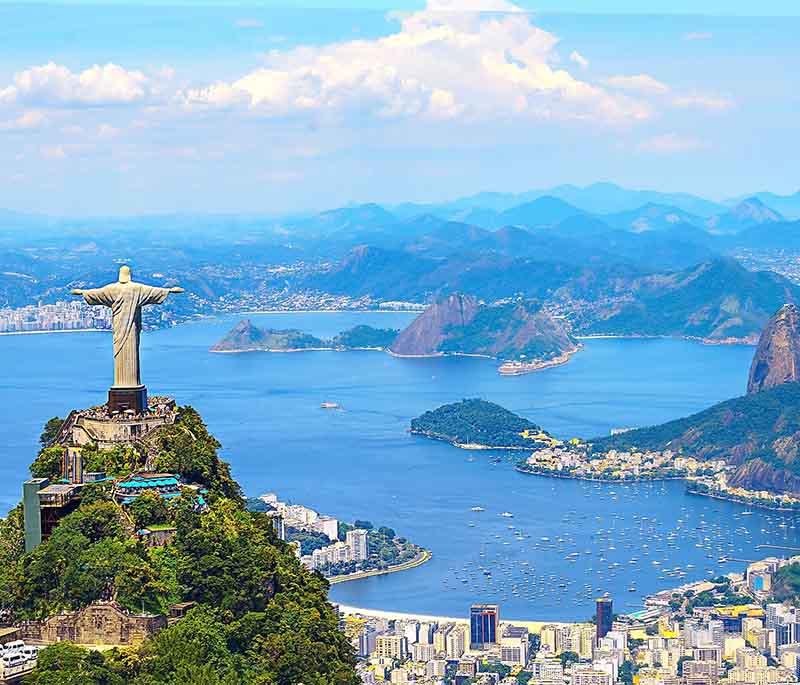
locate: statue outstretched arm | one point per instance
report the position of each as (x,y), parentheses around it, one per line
(94,296)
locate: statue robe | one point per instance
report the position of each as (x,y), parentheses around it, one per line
(126,301)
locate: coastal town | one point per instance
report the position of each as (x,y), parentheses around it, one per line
(706,478)
(59,316)
(338,550)
(730,629)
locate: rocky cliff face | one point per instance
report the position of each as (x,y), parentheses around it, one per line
(777,358)
(508,330)
(428,331)
(243,336)
(759,475)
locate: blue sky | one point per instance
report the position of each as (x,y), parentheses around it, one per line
(108,108)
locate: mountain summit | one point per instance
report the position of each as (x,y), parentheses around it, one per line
(777,358)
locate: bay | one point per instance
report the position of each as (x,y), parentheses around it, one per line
(360,461)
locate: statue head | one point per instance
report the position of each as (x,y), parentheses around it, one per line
(125,274)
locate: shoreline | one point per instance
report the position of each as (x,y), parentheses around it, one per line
(691,338)
(518,368)
(660,479)
(533,625)
(421,558)
(735,500)
(292,350)
(67,330)
(469,445)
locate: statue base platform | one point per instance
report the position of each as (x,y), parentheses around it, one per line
(127,399)
(106,428)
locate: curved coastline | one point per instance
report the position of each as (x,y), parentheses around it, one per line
(567,476)
(533,625)
(418,560)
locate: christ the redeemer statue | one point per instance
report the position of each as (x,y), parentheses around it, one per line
(126,299)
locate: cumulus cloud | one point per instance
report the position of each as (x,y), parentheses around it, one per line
(671,143)
(640,83)
(469,59)
(579,59)
(55,85)
(27,121)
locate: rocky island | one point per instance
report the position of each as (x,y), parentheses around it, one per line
(247,337)
(518,332)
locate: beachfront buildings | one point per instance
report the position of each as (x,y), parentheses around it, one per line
(695,638)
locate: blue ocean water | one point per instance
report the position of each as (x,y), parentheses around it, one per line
(360,461)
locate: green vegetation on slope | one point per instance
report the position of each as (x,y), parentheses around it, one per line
(476,422)
(365,336)
(786,584)
(261,618)
(246,337)
(510,330)
(764,426)
(719,299)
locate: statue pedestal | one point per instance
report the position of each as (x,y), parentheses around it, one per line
(127,399)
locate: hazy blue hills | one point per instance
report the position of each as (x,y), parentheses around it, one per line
(787,205)
(748,213)
(651,217)
(716,300)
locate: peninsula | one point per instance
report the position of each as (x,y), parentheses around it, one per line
(518,332)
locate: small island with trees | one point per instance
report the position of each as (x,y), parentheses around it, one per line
(478,424)
(247,337)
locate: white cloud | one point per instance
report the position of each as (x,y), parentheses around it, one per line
(579,59)
(714,103)
(640,83)
(55,85)
(468,59)
(27,121)
(671,143)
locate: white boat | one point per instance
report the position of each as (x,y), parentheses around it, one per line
(330,405)
(477,509)
(507,514)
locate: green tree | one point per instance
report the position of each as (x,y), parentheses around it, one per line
(48,463)
(568,658)
(50,431)
(65,664)
(148,509)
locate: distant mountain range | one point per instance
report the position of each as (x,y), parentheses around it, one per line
(717,300)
